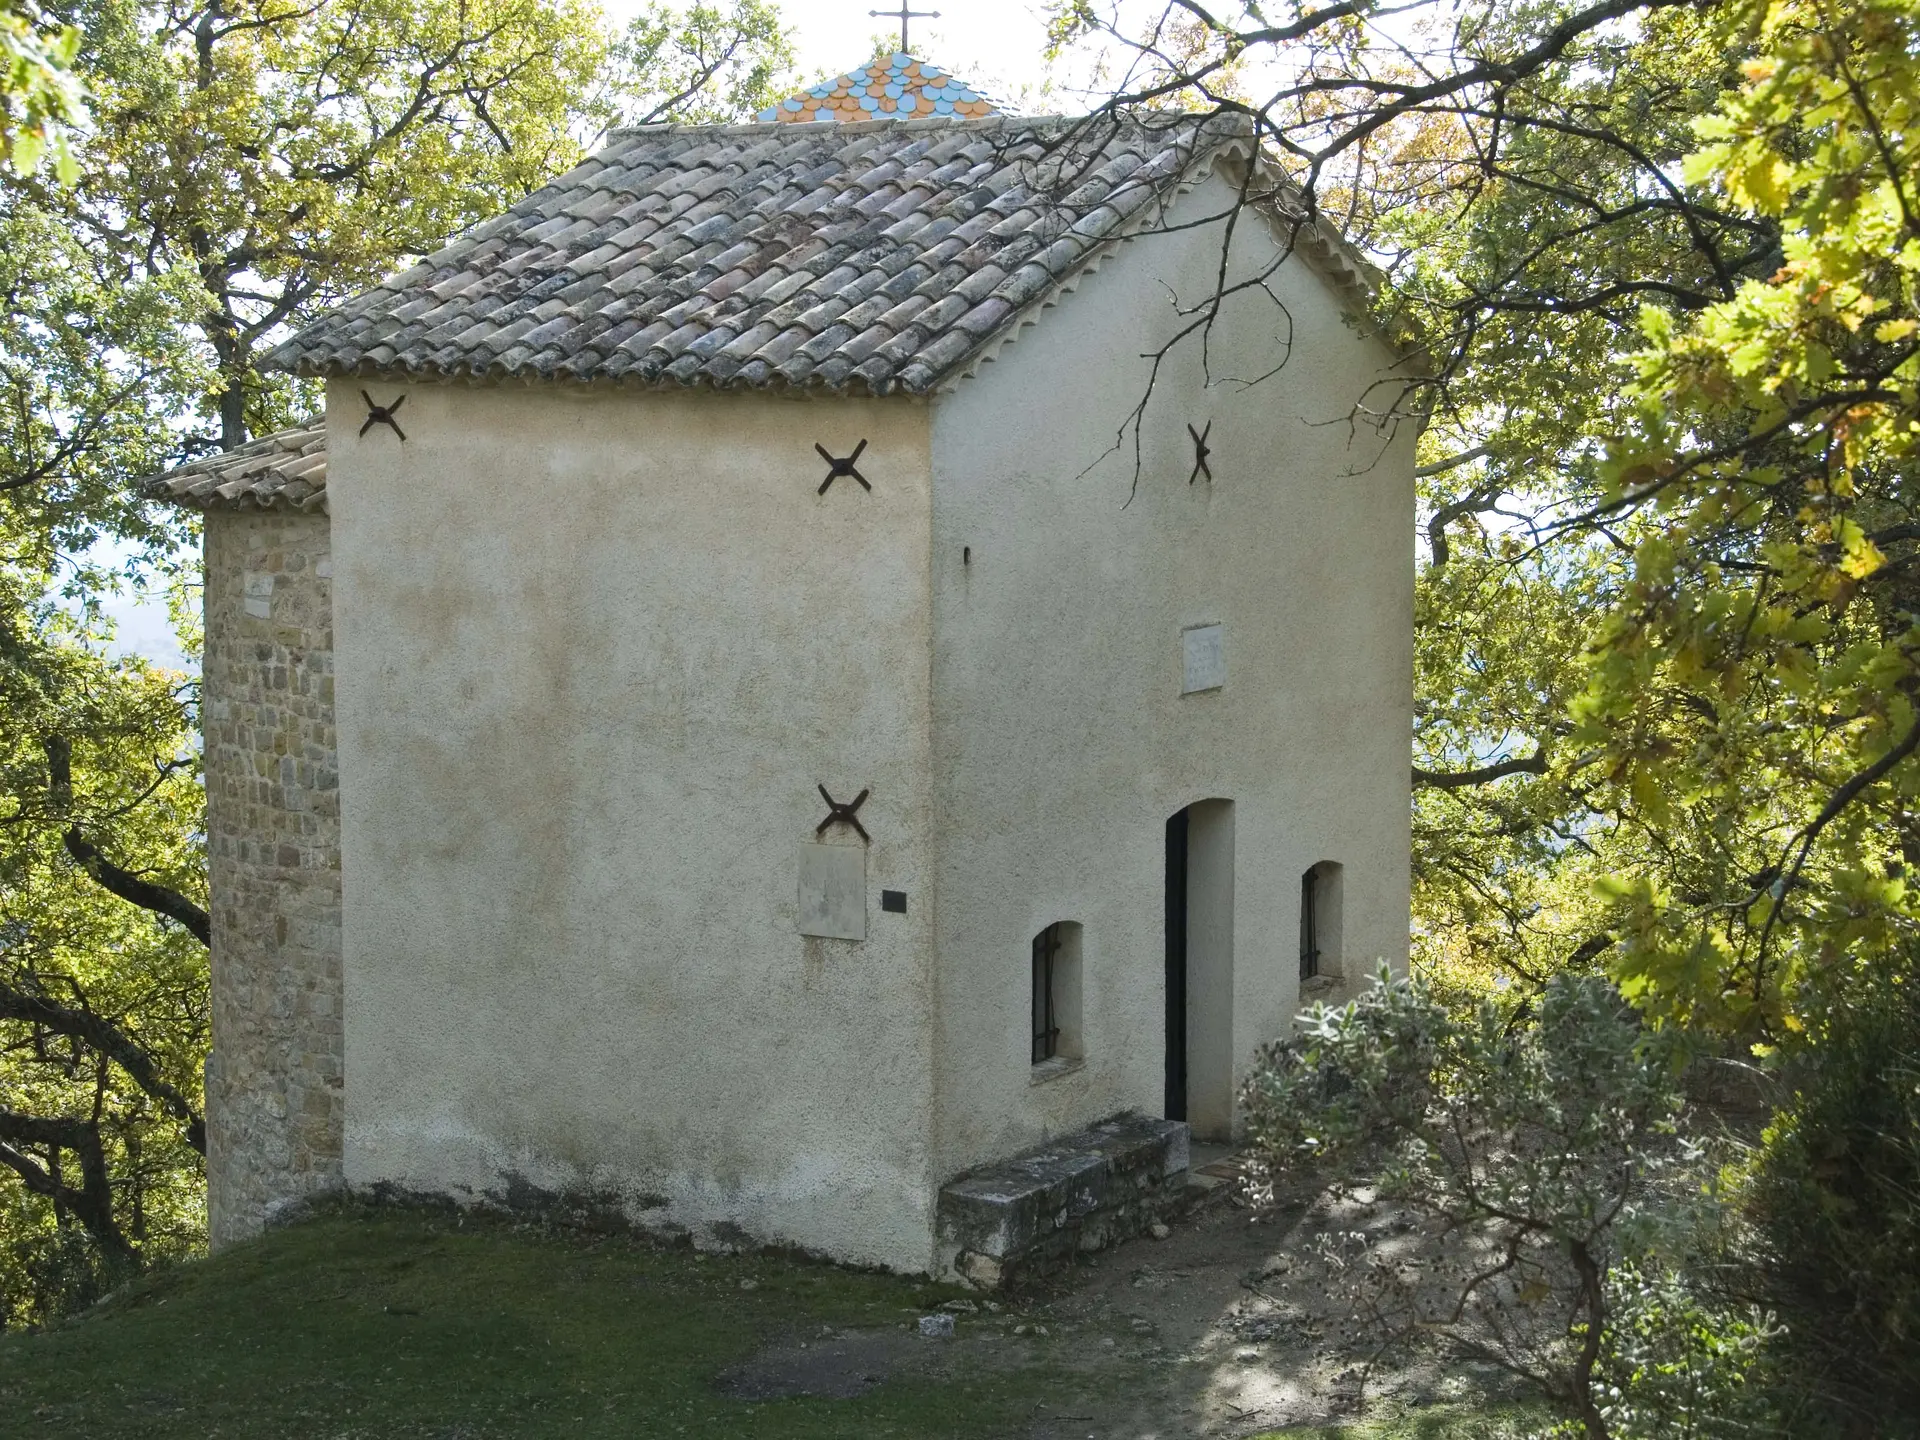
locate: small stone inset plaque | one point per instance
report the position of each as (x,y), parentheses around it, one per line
(833,891)
(259,596)
(1203,657)
(894,902)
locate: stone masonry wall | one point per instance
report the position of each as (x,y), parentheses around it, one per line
(1006,1224)
(274,1080)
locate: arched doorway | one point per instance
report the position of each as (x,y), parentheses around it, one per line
(1199,968)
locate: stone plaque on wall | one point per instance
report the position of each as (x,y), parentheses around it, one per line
(1203,656)
(833,891)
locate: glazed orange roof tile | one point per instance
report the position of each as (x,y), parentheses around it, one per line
(889,87)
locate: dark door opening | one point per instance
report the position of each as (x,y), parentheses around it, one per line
(1176,1093)
(1199,986)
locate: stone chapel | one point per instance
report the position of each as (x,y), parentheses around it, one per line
(824,681)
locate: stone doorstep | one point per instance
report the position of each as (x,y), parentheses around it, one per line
(1220,1172)
(1094,1188)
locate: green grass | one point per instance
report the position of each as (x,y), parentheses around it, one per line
(1441,1422)
(406,1324)
(409,1324)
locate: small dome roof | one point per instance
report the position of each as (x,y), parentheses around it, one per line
(889,87)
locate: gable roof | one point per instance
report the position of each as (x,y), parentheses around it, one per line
(885,256)
(287,471)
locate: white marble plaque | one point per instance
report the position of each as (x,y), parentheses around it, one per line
(833,891)
(1203,656)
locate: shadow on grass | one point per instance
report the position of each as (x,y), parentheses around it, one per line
(1443,1422)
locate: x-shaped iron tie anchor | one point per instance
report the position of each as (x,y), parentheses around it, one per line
(837,811)
(1200,453)
(841,467)
(382,415)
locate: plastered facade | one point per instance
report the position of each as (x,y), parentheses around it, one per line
(275,1097)
(596,651)
(1063,578)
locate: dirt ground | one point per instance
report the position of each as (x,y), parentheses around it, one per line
(1230,1326)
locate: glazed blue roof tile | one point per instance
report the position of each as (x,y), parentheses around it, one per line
(914,87)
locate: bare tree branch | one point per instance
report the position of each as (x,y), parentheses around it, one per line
(1534,764)
(111,1041)
(92,1201)
(125,883)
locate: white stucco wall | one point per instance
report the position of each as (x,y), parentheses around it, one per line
(1061,740)
(594,651)
(596,648)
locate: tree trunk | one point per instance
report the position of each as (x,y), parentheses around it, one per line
(1593,1299)
(233,414)
(91,1203)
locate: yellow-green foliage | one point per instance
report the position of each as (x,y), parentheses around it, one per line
(1771,459)
(67,941)
(1676,534)
(40,97)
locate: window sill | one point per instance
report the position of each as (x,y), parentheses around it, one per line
(1054,1069)
(1316,987)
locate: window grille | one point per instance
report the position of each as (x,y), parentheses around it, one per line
(1309,923)
(1046,1020)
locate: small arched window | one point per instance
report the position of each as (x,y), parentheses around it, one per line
(1056,993)
(1320,920)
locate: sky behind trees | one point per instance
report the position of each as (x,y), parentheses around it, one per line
(993,43)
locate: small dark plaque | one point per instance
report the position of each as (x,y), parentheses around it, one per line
(894,900)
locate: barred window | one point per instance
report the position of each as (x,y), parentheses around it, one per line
(1056,993)
(1320,920)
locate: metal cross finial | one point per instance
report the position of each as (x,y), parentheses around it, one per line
(838,811)
(903,14)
